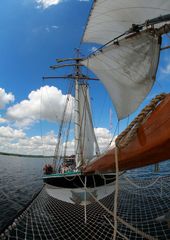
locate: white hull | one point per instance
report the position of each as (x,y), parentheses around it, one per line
(77,195)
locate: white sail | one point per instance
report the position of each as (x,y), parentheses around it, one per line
(127,70)
(110,18)
(78,158)
(87,137)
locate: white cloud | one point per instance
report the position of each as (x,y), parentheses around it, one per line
(5,98)
(47,3)
(16,141)
(49,139)
(8,132)
(103,133)
(46,103)
(44,145)
(104,138)
(2,120)
(47,28)
(166,69)
(70,150)
(55,27)
(51,28)
(93,49)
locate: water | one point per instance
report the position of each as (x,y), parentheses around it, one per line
(150,171)
(20,179)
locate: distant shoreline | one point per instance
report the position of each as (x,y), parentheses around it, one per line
(25,155)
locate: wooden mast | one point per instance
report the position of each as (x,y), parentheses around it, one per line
(76,76)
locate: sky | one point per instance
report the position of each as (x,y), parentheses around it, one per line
(33,33)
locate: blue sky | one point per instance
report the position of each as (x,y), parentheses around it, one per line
(33,33)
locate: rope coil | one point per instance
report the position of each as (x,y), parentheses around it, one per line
(127,135)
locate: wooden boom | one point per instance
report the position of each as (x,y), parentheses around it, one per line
(150,145)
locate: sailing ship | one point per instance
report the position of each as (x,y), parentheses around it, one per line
(65,174)
(126,61)
(130,33)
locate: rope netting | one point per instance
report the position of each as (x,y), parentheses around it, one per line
(143,206)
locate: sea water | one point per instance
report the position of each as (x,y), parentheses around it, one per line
(20,179)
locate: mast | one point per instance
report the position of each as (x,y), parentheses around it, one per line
(81,99)
(78,155)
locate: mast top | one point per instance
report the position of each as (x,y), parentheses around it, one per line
(70,62)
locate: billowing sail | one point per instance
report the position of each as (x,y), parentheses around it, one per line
(110,18)
(87,145)
(127,70)
(128,67)
(87,132)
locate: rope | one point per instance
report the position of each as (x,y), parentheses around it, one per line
(67,136)
(122,140)
(137,186)
(124,237)
(56,153)
(127,135)
(12,223)
(137,216)
(139,232)
(117,218)
(116,192)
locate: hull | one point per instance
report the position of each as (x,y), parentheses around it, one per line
(77,180)
(150,145)
(80,196)
(70,187)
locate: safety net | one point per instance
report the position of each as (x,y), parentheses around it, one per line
(143,212)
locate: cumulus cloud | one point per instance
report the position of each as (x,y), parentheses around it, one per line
(104,138)
(38,145)
(5,98)
(8,132)
(46,103)
(16,141)
(47,3)
(2,120)
(70,148)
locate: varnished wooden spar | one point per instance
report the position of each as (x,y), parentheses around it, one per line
(150,145)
